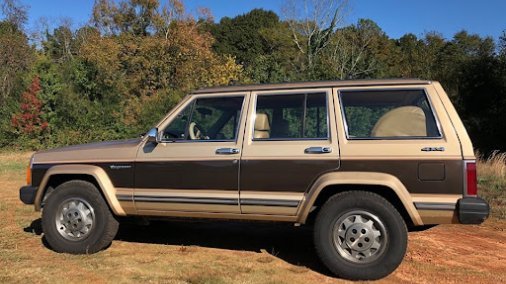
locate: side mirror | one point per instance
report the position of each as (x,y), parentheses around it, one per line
(153,135)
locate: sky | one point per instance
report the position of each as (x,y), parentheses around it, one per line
(395,17)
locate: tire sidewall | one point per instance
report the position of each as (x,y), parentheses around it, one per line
(394,248)
(90,194)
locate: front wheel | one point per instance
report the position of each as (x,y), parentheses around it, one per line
(77,220)
(360,236)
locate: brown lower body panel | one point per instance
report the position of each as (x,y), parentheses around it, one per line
(418,176)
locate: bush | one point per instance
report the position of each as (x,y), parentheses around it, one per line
(492,182)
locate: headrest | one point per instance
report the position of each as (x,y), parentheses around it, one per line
(262,122)
(402,121)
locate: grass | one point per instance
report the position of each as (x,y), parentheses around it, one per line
(492,182)
(201,252)
(14,161)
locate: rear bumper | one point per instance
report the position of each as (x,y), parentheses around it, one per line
(472,210)
(27,194)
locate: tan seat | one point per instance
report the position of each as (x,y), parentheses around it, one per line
(262,126)
(402,121)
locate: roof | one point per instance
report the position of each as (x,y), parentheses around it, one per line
(315,84)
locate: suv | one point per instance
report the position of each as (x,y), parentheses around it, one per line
(361,161)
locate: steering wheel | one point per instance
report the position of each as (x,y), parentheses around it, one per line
(196,132)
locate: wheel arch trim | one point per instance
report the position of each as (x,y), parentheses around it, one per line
(358,178)
(104,182)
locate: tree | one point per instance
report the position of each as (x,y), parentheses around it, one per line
(137,17)
(259,41)
(14,13)
(353,52)
(29,120)
(312,23)
(241,36)
(133,16)
(502,45)
(482,102)
(434,44)
(60,43)
(411,49)
(16,57)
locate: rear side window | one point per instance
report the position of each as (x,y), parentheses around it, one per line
(388,114)
(291,116)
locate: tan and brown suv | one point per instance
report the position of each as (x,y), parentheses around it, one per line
(360,160)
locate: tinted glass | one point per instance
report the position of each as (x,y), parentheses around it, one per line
(207,119)
(177,128)
(297,116)
(388,114)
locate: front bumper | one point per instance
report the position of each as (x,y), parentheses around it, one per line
(472,210)
(27,194)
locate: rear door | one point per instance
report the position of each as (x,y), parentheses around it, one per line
(289,142)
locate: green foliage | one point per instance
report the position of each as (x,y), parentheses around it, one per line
(241,36)
(361,120)
(119,76)
(259,42)
(16,57)
(356,52)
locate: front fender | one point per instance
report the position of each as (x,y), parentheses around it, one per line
(105,184)
(358,178)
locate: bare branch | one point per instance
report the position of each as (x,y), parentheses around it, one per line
(312,23)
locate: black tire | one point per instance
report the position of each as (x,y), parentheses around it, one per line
(98,236)
(340,261)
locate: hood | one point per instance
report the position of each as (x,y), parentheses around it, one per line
(107,151)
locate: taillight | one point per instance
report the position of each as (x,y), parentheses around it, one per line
(471,181)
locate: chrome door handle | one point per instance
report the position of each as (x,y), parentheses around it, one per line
(227,151)
(318,150)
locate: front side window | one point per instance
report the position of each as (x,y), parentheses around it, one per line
(388,114)
(206,119)
(297,116)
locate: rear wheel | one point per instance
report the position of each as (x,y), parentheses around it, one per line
(360,236)
(76,219)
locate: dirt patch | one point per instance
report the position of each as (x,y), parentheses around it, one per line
(230,252)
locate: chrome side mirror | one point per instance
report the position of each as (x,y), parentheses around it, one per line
(153,135)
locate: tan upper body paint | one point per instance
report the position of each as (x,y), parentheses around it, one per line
(454,139)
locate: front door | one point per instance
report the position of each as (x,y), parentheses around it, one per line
(195,168)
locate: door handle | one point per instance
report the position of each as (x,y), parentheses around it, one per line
(227,151)
(318,150)
(433,149)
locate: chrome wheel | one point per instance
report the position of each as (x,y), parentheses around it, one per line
(74,219)
(359,236)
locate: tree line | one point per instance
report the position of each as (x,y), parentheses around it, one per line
(117,75)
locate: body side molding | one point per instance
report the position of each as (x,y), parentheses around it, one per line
(96,172)
(358,178)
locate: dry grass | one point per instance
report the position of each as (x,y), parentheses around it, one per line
(223,252)
(13,161)
(492,182)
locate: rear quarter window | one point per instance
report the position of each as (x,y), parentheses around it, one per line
(388,114)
